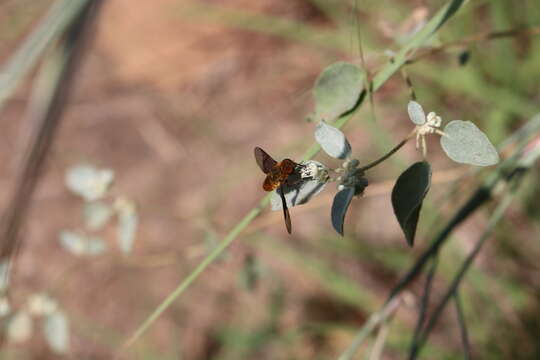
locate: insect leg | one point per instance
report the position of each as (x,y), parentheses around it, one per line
(286,214)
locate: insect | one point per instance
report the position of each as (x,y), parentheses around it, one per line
(278,174)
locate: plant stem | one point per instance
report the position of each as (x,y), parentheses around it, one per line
(462,327)
(374,320)
(195,273)
(390,153)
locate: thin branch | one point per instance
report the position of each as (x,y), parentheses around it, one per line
(462,326)
(486,36)
(374,320)
(423,307)
(380,341)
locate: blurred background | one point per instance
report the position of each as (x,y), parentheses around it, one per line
(172,96)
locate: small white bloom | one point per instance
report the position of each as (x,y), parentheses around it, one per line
(424,125)
(314,170)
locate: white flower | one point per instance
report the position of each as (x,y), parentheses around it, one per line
(424,125)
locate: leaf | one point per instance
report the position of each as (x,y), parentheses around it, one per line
(56,331)
(464,143)
(337,90)
(127,224)
(297,194)
(339,208)
(416,113)
(332,141)
(407,195)
(19,328)
(88,182)
(96,214)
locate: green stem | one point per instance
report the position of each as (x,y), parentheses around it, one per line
(198,270)
(374,320)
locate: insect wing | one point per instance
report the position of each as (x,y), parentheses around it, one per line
(265,161)
(286,213)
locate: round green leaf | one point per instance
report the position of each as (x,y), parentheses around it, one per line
(340,205)
(407,195)
(337,90)
(464,143)
(332,141)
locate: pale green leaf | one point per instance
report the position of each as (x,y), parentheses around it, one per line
(337,90)
(416,113)
(332,141)
(464,143)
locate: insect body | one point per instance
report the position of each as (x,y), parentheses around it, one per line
(278,174)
